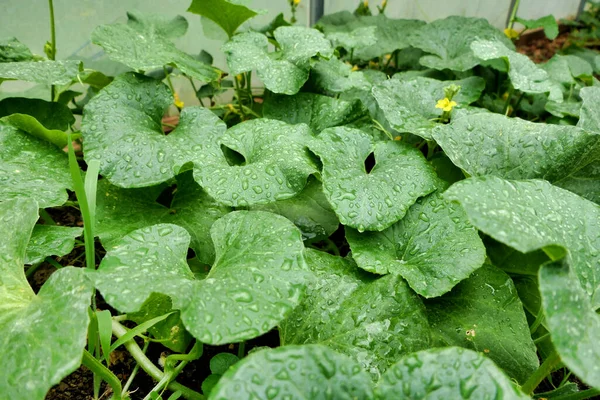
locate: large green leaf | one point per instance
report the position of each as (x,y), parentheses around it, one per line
(374,200)
(44,72)
(227,15)
(309,210)
(524,74)
(145,45)
(13,50)
(284,71)
(512,148)
(43,119)
(532,215)
(41,336)
(373,320)
(410,104)
(484,313)
(257,279)
(169,28)
(50,240)
(120,211)
(294,372)
(276,163)
(32,168)
(572,320)
(317,111)
(449,42)
(335,76)
(433,247)
(451,373)
(389,34)
(122,129)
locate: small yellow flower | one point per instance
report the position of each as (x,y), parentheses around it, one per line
(231,108)
(296,2)
(366,3)
(446,104)
(398,138)
(239,77)
(177,101)
(511,33)
(354,68)
(383,3)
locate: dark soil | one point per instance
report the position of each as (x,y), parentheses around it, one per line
(539,48)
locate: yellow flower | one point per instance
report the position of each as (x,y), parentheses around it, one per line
(446,104)
(354,68)
(177,101)
(383,3)
(511,33)
(366,3)
(296,2)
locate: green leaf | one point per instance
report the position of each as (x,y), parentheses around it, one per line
(572,320)
(258,275)
(524,74)
(374,200)
(335,76)
(304,372)
(44,72)
(410,104)
(359,315)
(144,44)
(170,331)
(284,71)
(512,148)
(451,373)
(433,247)
(385,35)
(120,211)
(309,210)
(227,15)
(275,164)
(32,168)
(317,111)
(220,363)
(532,215)
(28,322)
(13,50)
(169,28)
(130,144)
(50,240)
(548,23)
(484,313)
(449,42)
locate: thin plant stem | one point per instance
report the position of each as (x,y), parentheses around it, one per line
(541,338)
(134,372)
(100,370)
(195,90)
(507,102)
(151,369)
(168,78)
(53,262)
(541,373)
(513,14)
(239,96)
(52,43)
(241,349)
(46,217)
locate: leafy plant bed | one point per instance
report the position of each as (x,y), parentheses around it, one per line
(403,210)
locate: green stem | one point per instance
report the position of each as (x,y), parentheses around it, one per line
(541,338)
(52,43)
(431,146)
(134,372)
(241,350)
(31,270)
(507,102)
(513,14)
(584,394)
(53,262)
(98,369)
(151,369)
(168,78)
(239,96)
(541,373)
(46,217)
(195,91)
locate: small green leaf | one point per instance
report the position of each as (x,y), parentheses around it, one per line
(50,240)
(369,36)
(276,163)
(317,111)
(42,175)
(13,50)
(523,73)
(373,320)
(306,372)
(284,71)
(548,23)
(44,72)
(374,200)
(410,104)
(122,129)
(532,215)
(572,320)
(309,210)
(449,42)
(220,363)
(226,14)
(484,313)
(28,323)
(451,373)
(433,247)
(144,44)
